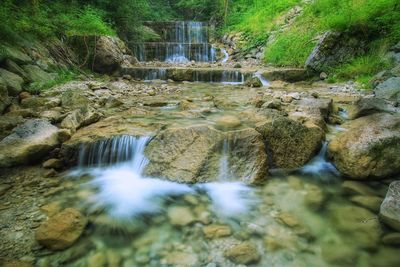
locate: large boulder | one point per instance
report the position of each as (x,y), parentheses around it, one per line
(80,117)
(334,48)
(389,89)
(369,148)
(12,81)
(111,55)
(194,154)
(390,208)
(290,143)
(62,230)
(28,143)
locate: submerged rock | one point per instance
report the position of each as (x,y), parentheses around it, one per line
(360,225)
(216,231)
(370,147)
(228,122)
(28,143)
(390,208)
(62,230)
(180,216)
(291,143)
(243,253)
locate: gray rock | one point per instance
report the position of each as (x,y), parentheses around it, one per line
(390,208)
(389,89)
(73,99)
(253,82)
(28,143)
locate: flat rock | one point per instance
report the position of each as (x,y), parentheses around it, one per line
(28,143)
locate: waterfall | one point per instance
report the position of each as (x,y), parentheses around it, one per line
(182,41)
(320,166)
(226,56)
(264,81)
(116,150)
(232,77)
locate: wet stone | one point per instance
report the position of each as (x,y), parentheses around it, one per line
(180,216)
(391,239)
(243,253)
(216,231)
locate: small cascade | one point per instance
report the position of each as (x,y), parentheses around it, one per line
(320,166)
(264,81)
(116,150)
(181,42)
(226,56)
(232,77)
(223,172)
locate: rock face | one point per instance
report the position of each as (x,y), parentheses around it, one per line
(36,74)
(111,55)
(291,143)
(389,89)
(28,143)
(80,117)
(334,48)
(62,230)
(192,154)
(390,208)
(370,147)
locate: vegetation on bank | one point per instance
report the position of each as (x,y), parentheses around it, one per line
(377,21)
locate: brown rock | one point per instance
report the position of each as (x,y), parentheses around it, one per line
(216,231)
(62,230)
(244,253)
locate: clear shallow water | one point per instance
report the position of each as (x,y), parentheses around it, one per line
(292,219)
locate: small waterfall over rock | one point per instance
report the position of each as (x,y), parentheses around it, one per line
(224,162)
(232,77)
(180,42)
(226,56)
(116,150)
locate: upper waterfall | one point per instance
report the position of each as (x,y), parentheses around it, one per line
(178,42)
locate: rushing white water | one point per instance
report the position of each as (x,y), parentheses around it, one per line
(116,166)
(226,56)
